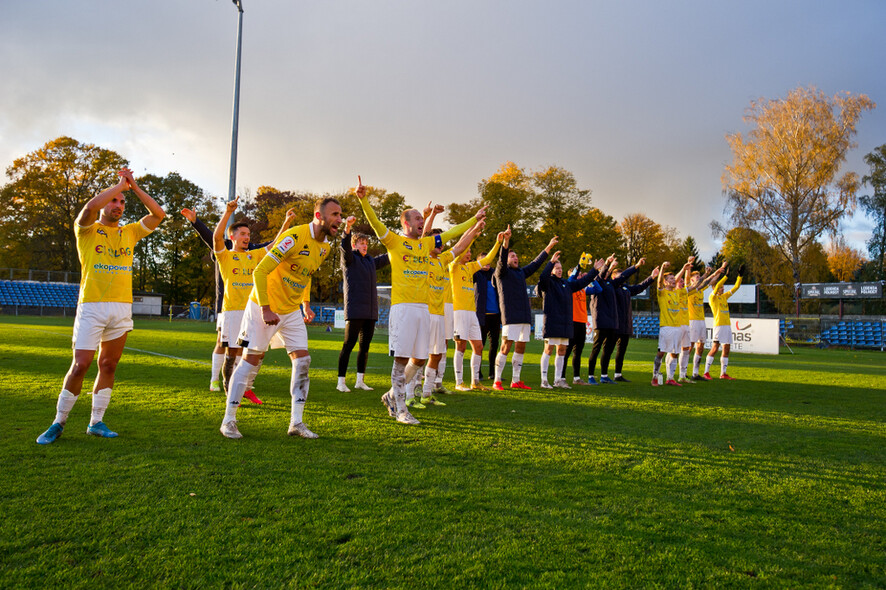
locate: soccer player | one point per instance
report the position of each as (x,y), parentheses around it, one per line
(488,313)
(409,322)
(516,309)
(236,266)
(361,302)
(282,284)
(557,305)
(218,353)
(104,308)
(697,327)
(669,333)
(467,326)
(604,311)
(623,296)
(682,291)
(439,268)
(719,302)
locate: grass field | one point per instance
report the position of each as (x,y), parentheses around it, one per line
(775,480)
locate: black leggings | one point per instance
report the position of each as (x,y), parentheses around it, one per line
(621,347)
(604,339)
(354,329)
(576,345)
(492,329)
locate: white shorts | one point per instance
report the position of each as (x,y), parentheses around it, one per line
(669,339)
(557,341)
(516,332)
(723,334)
(698,331)
(408,327)
(256,335)
(230,327)
(437,339)
(449,325)
(99,322)
(684,337)
(467,326)
(218,321)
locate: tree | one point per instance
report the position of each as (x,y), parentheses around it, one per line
(48,188)
(689,248)
(783,180)
(561,205)
(643,237)
(844,261)
(875,207)
(173,260)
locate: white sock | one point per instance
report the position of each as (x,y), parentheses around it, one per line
(298,388)
(66,401)
(476,363)
(398,384)
(724,362)
(617,375)
(458,365)
(516,366)
(696,361)
(684,362)
(236,389)
(100,401)
(558,366)
(412,383)
(360,379)
(252,374)
(656,366)
(672,366)
(500,361)
(430,380)
(218,359)
(707,363)
(544,364)
(441,371)
(341,382)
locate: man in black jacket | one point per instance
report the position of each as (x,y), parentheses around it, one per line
(623,296)
(605,313)
(488,312)
(516,310)
(361,302)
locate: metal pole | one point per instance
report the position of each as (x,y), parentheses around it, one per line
(232,184)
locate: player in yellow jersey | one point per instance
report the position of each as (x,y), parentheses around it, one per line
(104,309)
(719,302)
(467,325)
(438,283)
(236,267)
(669,332)
(409,320)
(697,328)
(686,290)
(282,285)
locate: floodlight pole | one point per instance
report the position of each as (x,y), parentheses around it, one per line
(232,184)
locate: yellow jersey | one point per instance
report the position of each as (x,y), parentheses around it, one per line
(669,306)
(462,279)
(438,281)
(720,303)
(683,300)
(283,277)
(106,260)
(696,305)
(409,257)
(236,269)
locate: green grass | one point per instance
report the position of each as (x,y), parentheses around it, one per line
(775,480)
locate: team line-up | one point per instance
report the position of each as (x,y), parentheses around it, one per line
(437,295)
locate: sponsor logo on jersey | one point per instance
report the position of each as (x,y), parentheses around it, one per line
(101,232)
(407,245)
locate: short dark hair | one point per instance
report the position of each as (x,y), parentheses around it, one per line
(359,236)
(436,231)
(320,204)
(235,226)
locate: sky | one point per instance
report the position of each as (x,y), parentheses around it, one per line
(635,98)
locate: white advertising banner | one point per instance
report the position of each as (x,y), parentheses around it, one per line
(339,318)
(752,335)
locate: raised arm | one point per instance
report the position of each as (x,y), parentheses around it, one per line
(156,215)
(661,273)
(430,213)
(218,236)
(490,256)
(92,209)
(467,238)
(287,221)
(347,252)
(533,266)
(463,227)
(377,226)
